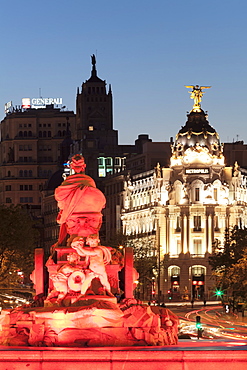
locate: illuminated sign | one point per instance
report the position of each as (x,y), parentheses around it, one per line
(192,171)
(26,103)
(40,102)
(197,282)
(7,107)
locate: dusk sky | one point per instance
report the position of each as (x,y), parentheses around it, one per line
(147,51)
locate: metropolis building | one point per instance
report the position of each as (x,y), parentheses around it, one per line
(182,211)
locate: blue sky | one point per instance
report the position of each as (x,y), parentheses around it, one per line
(147,51)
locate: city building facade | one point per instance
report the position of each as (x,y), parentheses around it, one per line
(30,152)
(182,211)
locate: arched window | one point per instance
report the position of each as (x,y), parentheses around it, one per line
(20,133)
(49,133)
(40,133)
(9,173)
(30,133)
(59,133)
(25,173)
(30,173)
(20,173)
(25,133)
(44,133)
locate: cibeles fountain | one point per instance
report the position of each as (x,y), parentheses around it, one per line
(76,305)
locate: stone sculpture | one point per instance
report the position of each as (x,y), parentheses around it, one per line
(80,203)
(80,309)
(98,257)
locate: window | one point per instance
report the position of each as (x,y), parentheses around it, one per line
(26,187)
(178,246)
(8,200)
(175,271)
(197,194)
(108,161)
(90,128)
(26,199)
(216,194)
(197,250)
(216,223)
(198,270)
(197,223)
(178,223)
(8,188)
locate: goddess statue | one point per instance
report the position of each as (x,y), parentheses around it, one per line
(80,203)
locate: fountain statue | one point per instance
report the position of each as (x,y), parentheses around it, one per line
(78,305)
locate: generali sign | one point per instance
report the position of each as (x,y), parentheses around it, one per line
(40,102)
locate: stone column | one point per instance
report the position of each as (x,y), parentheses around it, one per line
(183,234)
(188,232)
(128,272)
(207,232)
(39,270)
(212,233)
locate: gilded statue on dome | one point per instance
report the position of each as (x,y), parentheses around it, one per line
(196,94)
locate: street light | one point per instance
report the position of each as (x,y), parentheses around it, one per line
(198,326)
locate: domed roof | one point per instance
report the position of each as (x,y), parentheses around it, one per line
(197,132)
(55,180)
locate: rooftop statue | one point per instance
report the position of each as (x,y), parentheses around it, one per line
(197,94)
(80,203)
(93,59)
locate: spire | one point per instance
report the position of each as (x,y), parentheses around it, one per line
(94,71)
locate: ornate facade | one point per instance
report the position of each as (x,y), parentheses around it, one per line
(186,207)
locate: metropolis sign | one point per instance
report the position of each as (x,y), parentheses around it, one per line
(40,102)
(192,171)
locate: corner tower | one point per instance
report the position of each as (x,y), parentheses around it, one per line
(197,152)
(94,117)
